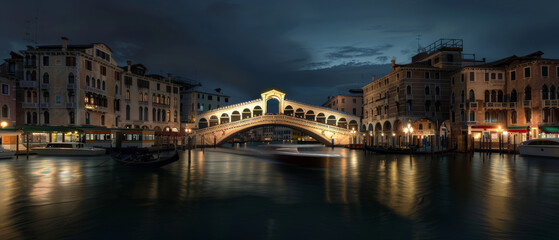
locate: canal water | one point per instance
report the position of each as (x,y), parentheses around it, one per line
(225,193)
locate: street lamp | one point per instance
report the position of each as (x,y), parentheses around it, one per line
(4,124)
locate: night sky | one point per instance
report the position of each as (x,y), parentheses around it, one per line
(309,49)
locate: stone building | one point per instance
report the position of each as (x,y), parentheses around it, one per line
(82,85)
(350,103)
(414,95)
(195,101)
(515,98)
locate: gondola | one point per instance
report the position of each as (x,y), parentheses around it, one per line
(147,160)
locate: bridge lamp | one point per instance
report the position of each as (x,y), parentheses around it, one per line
(406,130)
(4,124)
(393,134)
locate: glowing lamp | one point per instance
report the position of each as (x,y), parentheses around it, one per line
(4,124)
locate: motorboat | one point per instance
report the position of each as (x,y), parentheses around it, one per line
(541,147)
(68,149)
(6,153)
(151,160)
(303,155)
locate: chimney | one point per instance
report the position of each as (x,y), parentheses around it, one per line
(64,43)
(393,64)
(169,77)
(373,78)
(129,63)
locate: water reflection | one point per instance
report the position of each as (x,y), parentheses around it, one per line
(484,196)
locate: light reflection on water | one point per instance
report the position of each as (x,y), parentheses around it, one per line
(229,193)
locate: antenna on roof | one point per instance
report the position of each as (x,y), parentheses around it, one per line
(418,45)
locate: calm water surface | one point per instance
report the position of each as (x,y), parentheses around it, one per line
(226,194)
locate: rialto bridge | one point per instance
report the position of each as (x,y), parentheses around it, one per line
(323,124)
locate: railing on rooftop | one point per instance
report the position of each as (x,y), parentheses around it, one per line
(442,43)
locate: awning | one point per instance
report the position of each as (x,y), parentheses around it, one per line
(517,129)
(550,129)
(48,129)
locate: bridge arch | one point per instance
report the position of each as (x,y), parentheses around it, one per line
(224,118)
(354,125)
(331,120)
(246,113)
(309,115)
(202,123)
(288,110)
(321,118)
(235,116)
(342,123)
(257,111)
(214,121)
(299,113)
(318,137)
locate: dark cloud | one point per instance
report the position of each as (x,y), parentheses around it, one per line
(356,52)
(246,46)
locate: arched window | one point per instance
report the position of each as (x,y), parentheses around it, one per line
(408,89)
(103,85)
(28,76)
(528,93)
(500,96)
(146,114)
(46,117)
(46,97)
(552,92)
(163,116)
(28,117)
(46,78)
(486,96)
(513,117)
(472,116)
(34,117)
(513,96)
(92,82)
(87,81)
(87,118)
(127,112)
(28,97)
(462,97)
(127,97)
(545,92)
(158,115)
(71,78)
(168,115)
(472,96)
(493,96)
(175,102)
(34,77)
(5,111)
(71,118)
(116,89)
(175,117)
(426,90)
(437,91)
(453,98)
(102,119)
(140,113)
(153,115)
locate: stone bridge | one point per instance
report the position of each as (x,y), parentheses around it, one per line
(323,124)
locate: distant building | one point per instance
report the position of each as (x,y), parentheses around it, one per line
(518,94)
(416,94)
(350,103)
(195,101)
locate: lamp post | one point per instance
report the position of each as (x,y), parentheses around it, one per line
(500,139)
(406,136)
(382,139)
(353,135)
(186,137)
(393,140)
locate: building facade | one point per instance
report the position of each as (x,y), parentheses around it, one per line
(195,101)
(413,95)
(509,100)
(350,103)
(82,85)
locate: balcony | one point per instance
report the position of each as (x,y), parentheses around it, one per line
(29,105)
(473,105)
(117,96)
(45,86)
(409,97)
(95,90)
(527,103)
(71,86)
(44,105)
(550,103)
(28,84)
(71,105)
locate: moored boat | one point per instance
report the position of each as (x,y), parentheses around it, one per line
(303,155)
(152,160)
(6,154)
(543,147)
(67,149)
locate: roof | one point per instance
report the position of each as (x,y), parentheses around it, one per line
(509,60)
